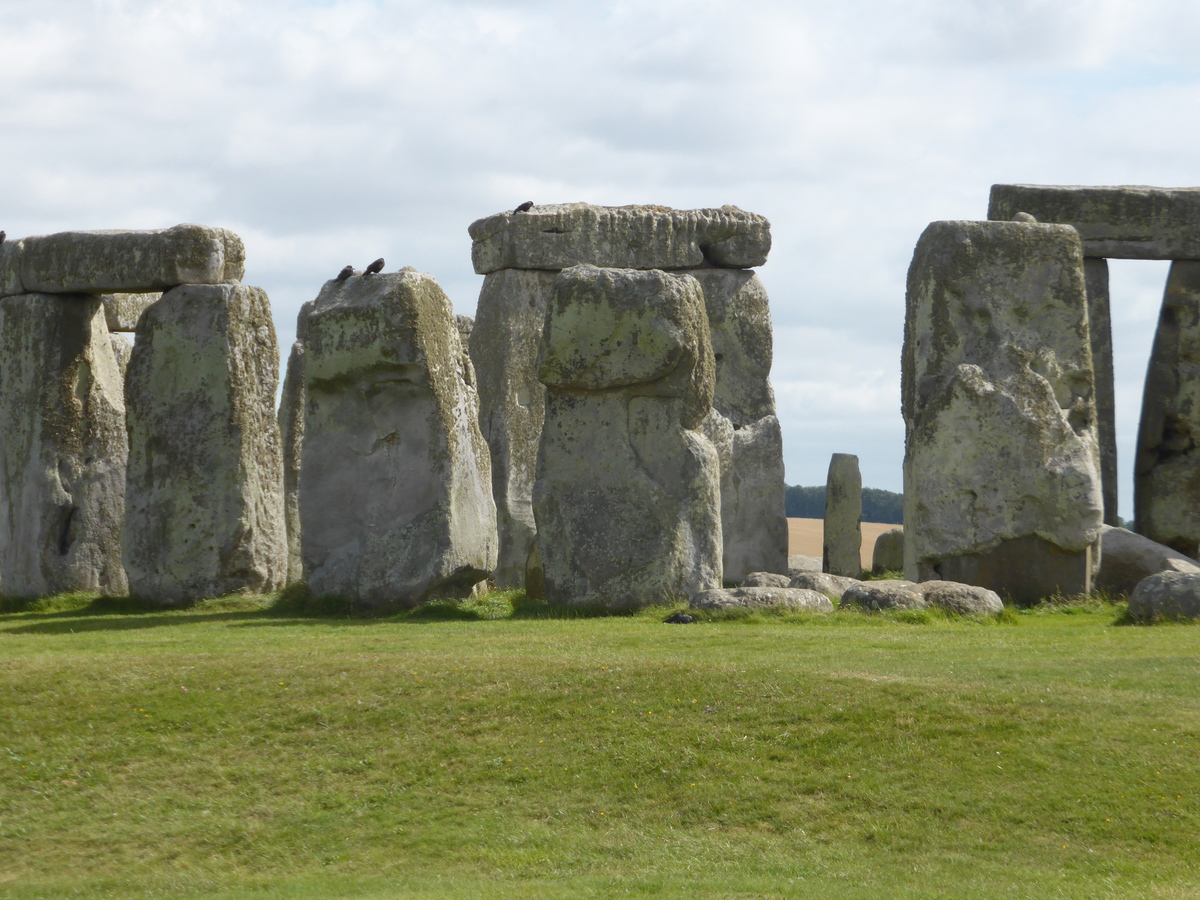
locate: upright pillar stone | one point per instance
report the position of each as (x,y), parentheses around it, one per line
(1166,484)
(291,436)
(63,448)
(627,495)
(395,483)
(1095,273)
(520,254)
(1001,467)
(204,502)
(843,517)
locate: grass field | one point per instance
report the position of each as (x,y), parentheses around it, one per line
(237,751)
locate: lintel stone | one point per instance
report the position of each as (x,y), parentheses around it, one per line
(1121,222)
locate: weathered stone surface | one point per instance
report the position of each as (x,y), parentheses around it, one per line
(798,563)
(122,350)
(843,517)
(1167,594)
(204,500)
(1166,474)
(753,521)
(1095,273)
(121,311)
(395,483)
(766,579)
(504,351)
(1125,222)
(10,267)
(884,595)
(636,237)
(762,598)
(964,599)
(888,553)
(465,325)
(101,262)
(62,448)
(832,586)
(1127,558)
(627,492)
(999,408)
(291,438)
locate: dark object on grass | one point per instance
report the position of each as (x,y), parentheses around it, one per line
(345,273)
(679,618)
(374,267)
(524,207)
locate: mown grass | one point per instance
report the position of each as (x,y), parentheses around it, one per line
(491,749)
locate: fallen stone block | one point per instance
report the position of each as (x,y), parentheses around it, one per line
(562,235)
(1123,222)
(766,579)
(627,494)
(797,563)
(63,448)
(1001,471)
(395,496)
(204,497)
(100,262)
(762,598)
(963,599)
(1166,595)
(875,595)
(1128,558)
(832,586)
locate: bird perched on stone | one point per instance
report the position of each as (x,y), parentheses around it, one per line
(345,273)
(374,267)
(524,207)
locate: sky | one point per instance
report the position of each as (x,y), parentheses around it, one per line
(335,131)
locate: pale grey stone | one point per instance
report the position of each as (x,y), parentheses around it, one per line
(1166,594)
(798,563)
(762,598)
(122,311)
(504,351)
(122,349)
(1125,222)
(1127,558)
(102,262)
(842,530)
(753,520)
(291,438)
(964,599)
(627,492)
(1100,336)
(395,483)
(1001,478)
(62,448)
(1166,475)
(832,586)
(558,236)
(888,553)
(204,500)
(884,595)
(766,579)
(465,325)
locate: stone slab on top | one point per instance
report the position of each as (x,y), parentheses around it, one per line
(562,235)
(101,262)
(1120,222)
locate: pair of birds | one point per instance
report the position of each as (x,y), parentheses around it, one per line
(373,269)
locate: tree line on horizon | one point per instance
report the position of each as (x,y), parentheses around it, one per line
(878,505)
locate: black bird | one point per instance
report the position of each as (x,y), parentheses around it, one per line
(680,618)
(374,267)
(524,207)
(345,273)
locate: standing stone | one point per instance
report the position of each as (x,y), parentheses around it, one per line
(122,311)
(843,517)
(753,518)
(204,502)
(122,350)
(1166,479)
(1001,468)
(465,324)
(1095,273)
(505,341)
(62,447)
(888,553)
(395,482)
(627,493)
(291,437)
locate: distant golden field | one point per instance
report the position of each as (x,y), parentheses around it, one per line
(804,538)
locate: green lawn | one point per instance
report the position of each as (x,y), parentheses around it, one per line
(234,751)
